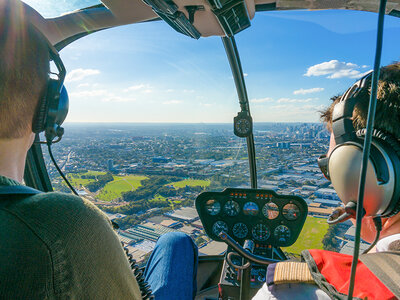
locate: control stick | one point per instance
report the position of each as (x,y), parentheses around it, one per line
(245,252)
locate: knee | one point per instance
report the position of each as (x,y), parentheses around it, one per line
(176,240)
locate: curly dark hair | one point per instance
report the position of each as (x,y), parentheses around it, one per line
(387,116)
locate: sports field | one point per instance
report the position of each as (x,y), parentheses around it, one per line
(120,184)
(190,182)
(311,236)
(77,180)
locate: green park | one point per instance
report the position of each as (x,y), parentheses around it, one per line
(310,237)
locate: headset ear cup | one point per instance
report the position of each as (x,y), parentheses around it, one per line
(39,120)
(392,147)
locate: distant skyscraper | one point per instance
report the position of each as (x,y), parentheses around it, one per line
(110,164)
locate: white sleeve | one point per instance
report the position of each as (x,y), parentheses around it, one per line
(290,291)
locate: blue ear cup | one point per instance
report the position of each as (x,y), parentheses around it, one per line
(58,104)
(53,106)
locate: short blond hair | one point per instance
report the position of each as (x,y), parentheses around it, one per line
(24,67)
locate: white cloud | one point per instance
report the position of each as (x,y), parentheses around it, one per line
(101,95)
(188,91)
(307,91)
(289,100)
(172,102)
(206,104)
(295,108)
(137,87)
(89,94)
(170,90)
(334,69)
(245,74)
(113,98)
(79,74)
(83,84)
(261,100)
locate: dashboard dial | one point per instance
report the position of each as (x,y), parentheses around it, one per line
(240,230)
(213,207)
(231,208)
(250,209)
(219,226)
(270,210)
(291,211)
(282,234)
(243,126)
(261,232)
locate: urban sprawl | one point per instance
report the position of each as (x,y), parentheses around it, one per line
(145,177)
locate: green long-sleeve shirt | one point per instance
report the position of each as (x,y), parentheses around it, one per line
(59,246)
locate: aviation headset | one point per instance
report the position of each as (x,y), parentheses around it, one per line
(53,104)
(343,165)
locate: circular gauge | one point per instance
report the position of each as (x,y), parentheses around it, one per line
(270,210)
(243,126)
(291,211)
(250,209)
(240,230)
(282,234)
(219,226)
(261,232)
(213,207)
(231,208)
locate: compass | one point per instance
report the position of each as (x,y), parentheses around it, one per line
(243,124)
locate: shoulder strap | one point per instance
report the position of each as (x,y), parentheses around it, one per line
(18,190)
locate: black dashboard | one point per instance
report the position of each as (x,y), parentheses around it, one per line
(257,214)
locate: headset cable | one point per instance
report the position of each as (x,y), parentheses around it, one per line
(59,170)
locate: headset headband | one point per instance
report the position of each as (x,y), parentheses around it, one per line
(342,123)
(53,105)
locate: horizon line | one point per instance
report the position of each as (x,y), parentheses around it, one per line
(183,123)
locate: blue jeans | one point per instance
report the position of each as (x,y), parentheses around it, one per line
(172,267)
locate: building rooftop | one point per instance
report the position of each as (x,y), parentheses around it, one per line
(169,223)
(197,224)
(115,216)
(321,211)
(213,248)
(348,248)
(126,240)
(185,213)
(158,219)
(327,201)
(148,231)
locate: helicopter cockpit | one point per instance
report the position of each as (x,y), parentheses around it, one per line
(253,220)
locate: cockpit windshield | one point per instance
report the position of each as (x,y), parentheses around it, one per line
(151,118)
(51,8)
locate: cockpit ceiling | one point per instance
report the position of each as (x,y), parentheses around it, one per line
(121,12)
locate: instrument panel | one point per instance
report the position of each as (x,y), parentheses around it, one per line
(257,214)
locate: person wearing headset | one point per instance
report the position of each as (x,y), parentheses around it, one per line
(55,245)
(325,274)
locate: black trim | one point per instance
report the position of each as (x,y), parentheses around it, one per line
(237,72)
(395,13)
(266,7)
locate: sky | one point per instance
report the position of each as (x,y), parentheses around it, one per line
(293,61)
